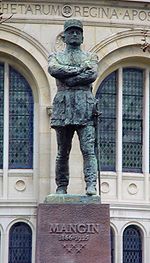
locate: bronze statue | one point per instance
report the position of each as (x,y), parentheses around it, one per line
(74,105)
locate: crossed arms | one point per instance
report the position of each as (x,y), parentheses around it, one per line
(82,74)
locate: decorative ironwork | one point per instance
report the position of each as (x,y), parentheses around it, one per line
(132,119)
(1,113)
(132,245)
(20,121)
(20,243)
(106,96)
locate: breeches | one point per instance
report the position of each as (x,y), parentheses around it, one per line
(86,135)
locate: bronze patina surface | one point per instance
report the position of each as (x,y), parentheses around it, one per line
(74,105)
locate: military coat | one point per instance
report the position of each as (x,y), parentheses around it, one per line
(74,102)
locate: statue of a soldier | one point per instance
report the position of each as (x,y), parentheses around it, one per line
(74,105)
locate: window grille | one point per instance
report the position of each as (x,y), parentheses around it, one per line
(106,96)
(1,113)
(20,243)
(149,122)
(20,121)
(112,245)
(132,245)
(132,119)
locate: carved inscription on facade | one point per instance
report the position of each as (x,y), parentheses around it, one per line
(74,237)
(82,11)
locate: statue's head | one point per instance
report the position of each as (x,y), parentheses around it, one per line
(73,23)
(73,32)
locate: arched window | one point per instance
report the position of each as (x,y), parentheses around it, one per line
(1,113)
(20,243)
(20,121)
(112,236)
(0,245)
(132,119)
(106,96)
(120,98)
(132,245)
(16,120)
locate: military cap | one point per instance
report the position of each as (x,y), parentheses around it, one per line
(73,23)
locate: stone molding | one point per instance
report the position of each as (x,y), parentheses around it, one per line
(138,224)
(118,48)
(29,52)
(12,34)
(119,40)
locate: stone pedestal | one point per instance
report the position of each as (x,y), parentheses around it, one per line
(73,229)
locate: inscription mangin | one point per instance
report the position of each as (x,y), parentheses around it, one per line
(74,237)
(88,228)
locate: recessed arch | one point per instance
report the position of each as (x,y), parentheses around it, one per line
(132,244)
(1,241)
(28,55)
(20,243)
(20,219)
(113,241)
(138,224)
(114,228)
(30,223)
(118,40)
(122,47)
(23,40)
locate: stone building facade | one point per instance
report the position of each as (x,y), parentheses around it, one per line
(114,30)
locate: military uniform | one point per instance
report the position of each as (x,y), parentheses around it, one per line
(73,109)
(74,103)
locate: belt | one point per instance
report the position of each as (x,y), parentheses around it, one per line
(85,88)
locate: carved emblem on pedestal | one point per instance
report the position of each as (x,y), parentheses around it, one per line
(73,247)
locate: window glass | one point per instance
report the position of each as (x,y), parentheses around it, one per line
(106,96)
(20,243)
(132,245)
(1,113)
(112,245)
(132,119)
(20,121)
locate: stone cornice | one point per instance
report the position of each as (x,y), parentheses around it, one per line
(115,3)
(102,13)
